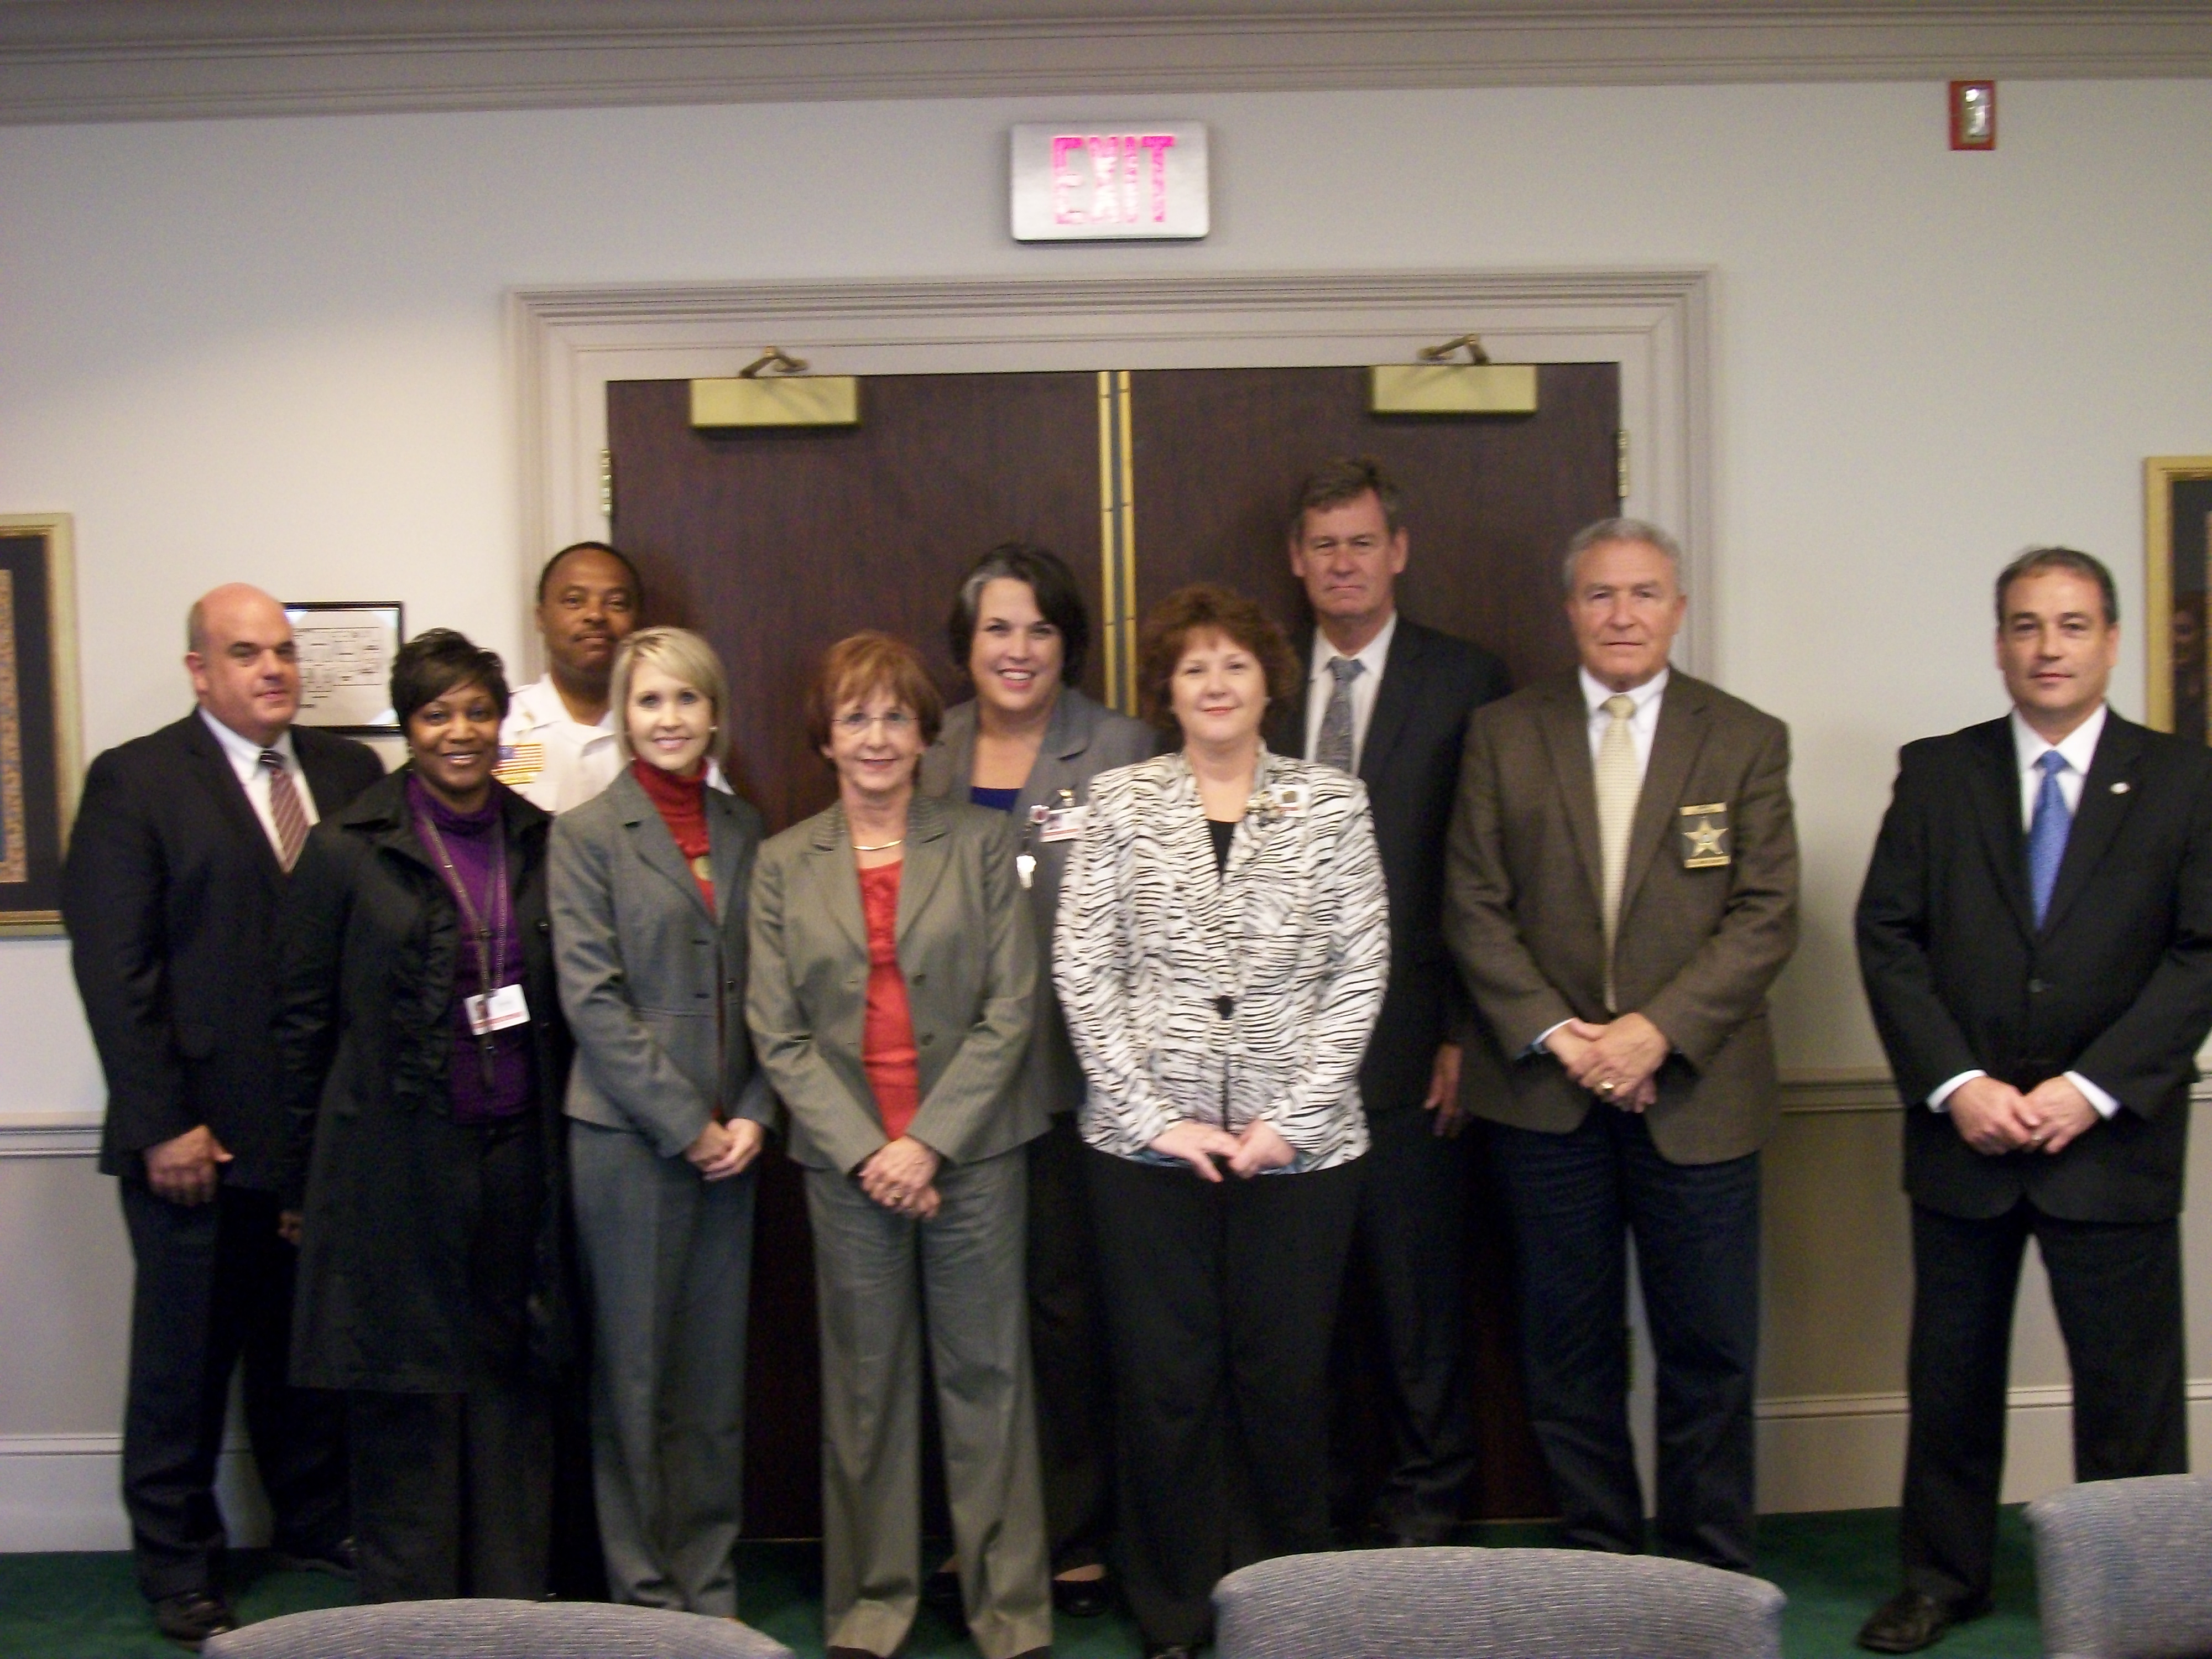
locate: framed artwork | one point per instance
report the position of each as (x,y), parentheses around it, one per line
(2177,578)
(346,649)
(40,751)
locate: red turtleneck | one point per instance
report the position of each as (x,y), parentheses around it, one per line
(683,804)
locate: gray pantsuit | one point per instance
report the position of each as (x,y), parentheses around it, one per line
(667,1272)
(966,952)
(654,987)
(970,1264)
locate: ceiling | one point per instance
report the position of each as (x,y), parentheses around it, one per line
(107,60)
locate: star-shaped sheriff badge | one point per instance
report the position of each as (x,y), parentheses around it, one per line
(1705,836)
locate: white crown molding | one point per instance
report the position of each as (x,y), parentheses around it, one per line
(129,60)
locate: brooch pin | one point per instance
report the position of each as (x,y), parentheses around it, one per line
(1278,800)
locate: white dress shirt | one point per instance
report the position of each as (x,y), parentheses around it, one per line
(1642,725)
(2077,749)
(244,758)
(1320,682)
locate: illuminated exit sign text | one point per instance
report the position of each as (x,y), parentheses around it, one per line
(1110,181)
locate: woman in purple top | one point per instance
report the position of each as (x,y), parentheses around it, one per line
(424,1059)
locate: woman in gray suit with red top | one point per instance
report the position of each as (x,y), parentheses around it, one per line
(1029,744)
(894,979)
(666,1116)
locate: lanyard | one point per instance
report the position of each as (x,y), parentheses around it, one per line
(490,939)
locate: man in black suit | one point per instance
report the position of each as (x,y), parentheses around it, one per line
(172,890)
(2036,938)
(1388,699)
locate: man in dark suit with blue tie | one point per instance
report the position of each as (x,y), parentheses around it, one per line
(1387,700)
(2036,938)
(172,890)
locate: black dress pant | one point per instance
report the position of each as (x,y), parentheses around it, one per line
(1220,1302)
(1068,1350)
(1575,1199)
(1410,1247)
(452,1491)
(2117,1287)
(213,1291)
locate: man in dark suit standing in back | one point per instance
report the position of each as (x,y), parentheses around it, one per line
(1387,700)
(1623,890)
(2036,938)
(172,894)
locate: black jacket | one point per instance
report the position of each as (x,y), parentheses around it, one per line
(364,1025)
(171,894)
(1432,682)
(2116,984)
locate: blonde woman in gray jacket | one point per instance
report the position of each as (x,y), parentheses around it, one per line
(667,1113)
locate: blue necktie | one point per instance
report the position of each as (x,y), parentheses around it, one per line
(2046,834)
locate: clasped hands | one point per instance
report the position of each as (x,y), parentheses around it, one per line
(1261,1146)
(1994,1117)
(723,1150)
(1618,1062)
(902,1175)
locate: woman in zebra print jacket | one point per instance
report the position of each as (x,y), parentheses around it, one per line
(1222,947)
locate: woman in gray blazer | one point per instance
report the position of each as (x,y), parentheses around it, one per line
(893,985)
(1224,942)
(1029,744)
(667,1114)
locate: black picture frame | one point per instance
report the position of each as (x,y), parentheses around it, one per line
(40,745)
(2177,594)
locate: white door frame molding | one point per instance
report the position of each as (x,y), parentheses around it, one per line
(568,343)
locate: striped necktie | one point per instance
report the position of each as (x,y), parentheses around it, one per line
(284,807)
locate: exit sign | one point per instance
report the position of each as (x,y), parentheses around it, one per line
(1110,181)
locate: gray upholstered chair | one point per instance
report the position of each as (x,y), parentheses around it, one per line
(2123,1568)
(493,1629)
(1493,1604)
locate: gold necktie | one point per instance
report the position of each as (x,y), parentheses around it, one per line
(1619,783)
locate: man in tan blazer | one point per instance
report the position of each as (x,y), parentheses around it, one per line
(1622,891)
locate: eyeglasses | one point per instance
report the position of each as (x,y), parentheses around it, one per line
(894,724)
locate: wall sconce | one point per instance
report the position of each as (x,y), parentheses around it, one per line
(1974,115)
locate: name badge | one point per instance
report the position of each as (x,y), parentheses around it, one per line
(1704,831)
(1062,824)
(502,1008)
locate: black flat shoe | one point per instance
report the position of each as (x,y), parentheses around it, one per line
(1083,1598)
(190,1618)
(1912,1619)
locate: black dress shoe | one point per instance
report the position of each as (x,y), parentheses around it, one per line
(337,1560)
(1083,1598)
(1912,1619)
(192,1618)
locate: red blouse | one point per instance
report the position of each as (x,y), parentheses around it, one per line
(887,1049)
(683,804)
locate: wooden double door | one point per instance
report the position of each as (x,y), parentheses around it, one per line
(774,543)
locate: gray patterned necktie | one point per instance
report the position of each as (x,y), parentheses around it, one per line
(1333,747)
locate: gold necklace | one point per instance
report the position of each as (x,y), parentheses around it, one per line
(883,846)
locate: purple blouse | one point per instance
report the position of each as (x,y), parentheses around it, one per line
(476,844)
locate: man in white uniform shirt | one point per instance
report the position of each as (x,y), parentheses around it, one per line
(557,746)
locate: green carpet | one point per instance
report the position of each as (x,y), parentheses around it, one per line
(1833,1567)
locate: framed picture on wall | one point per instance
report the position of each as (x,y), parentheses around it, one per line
(40,750)
(2177,578)
(346,649)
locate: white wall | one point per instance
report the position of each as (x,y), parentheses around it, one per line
(272,351)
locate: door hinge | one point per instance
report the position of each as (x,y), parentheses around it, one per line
(607,486)
(1621,464)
